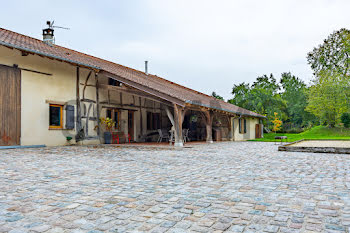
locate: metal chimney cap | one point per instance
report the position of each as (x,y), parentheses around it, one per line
(146,67)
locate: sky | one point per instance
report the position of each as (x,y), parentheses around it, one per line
(206,45)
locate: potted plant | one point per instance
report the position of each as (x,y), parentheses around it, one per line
(109,124)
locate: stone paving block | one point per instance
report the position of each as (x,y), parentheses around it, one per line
(251,188)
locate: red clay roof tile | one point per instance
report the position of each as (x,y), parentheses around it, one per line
(187,95)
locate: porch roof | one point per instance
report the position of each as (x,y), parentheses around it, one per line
(154,84)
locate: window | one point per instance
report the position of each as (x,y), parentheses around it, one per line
(55,116)
(242,127)
(113,82)
(153,121)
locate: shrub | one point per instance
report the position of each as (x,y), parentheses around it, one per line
(345,119)
(294,130)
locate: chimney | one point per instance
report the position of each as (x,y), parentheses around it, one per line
(48,36)
(146,67)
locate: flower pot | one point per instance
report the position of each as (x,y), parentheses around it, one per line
(108,137)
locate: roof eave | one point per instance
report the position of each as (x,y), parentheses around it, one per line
(49,55)
(222,109)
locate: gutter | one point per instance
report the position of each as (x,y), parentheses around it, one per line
(48,55)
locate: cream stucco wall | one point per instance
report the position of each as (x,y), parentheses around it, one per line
(250,134)
(38,89)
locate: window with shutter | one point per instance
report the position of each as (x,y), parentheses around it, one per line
(245,126)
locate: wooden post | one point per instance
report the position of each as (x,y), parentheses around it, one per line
(209,115)
(230,129)
(98,106)
(78,118)
(178,119)
(171,118)
(141,123)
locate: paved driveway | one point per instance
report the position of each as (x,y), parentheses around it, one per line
(233,187)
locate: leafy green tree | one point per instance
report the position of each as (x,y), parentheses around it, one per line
(328,97)
(295,94)
(261,97)
(217,96)
(267,83)
(333,55)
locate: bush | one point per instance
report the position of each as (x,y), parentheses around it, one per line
(345,119)
(294,130)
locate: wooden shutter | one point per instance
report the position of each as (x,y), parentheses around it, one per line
(69,117)
(240,125)
(245,125)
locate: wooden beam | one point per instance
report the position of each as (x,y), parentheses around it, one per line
(98,107)
(134,92)
(86,81)
(144,88)
(78,117)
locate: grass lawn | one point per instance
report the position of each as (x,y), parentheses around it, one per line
(318,132)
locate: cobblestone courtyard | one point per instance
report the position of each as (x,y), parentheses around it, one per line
(233,187)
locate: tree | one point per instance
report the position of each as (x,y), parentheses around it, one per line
(295,95)
(345,119)
(328,97)
(333,55)
(261,97)
(217,96)
(277,123)
(267,83)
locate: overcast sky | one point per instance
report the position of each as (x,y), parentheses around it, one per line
(205,45)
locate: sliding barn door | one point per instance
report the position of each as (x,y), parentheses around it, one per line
(10,106)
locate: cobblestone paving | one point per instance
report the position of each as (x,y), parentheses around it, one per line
(232,187)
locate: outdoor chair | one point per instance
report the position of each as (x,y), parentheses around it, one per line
(172,136)
(185,135)
(162,135)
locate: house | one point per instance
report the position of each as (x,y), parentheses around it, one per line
(49,94)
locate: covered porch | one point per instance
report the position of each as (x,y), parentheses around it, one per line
(147,116)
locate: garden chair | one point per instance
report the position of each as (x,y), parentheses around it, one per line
(185,135)
(162,135)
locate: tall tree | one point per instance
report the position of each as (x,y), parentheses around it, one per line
(267,83)
(217,96)
(328,97)
(333,55)
(294,93)
(261,97)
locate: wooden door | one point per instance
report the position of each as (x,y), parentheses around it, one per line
(131,124)
(10,106)
(258,130)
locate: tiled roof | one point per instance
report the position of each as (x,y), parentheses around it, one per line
(171,89)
